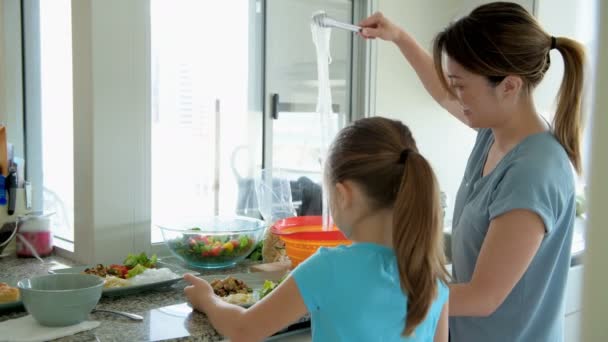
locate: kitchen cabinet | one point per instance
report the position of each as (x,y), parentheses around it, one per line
(572,327)
(574,290)
(574,295)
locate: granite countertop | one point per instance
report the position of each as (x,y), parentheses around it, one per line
(167,317)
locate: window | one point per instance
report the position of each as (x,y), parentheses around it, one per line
(57,114)
(205,135)
(292,80)
(125,131)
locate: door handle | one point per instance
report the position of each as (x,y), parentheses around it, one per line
(277,106)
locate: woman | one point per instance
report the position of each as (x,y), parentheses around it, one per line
(515,209)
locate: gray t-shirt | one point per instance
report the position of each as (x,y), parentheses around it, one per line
(535,175)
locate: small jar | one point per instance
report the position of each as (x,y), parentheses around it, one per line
(35,229)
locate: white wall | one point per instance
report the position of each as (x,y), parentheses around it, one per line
(566,18)
(11,86)
(400,95)
(111,70)
(594,325)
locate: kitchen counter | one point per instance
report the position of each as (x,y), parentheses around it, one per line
(166,316)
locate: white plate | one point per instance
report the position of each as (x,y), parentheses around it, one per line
(133,289)
(254,280)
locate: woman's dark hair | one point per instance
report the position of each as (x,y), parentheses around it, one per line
(501,39)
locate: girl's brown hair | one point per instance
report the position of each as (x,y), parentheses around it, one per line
(381,156)
(500,39)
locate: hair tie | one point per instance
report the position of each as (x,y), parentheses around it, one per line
(404,154)
(553,43)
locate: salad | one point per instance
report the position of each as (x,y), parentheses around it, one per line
(136,269)
(270,285)
(211,248)
(132,266)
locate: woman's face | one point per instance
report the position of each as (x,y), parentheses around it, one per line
(482,102)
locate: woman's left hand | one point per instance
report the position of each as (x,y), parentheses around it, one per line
(378,26)
(199,292)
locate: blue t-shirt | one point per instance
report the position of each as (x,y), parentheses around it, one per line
(353,293)
(535,175)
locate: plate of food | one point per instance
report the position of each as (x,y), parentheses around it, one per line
(9,296)
(137,273)
(245,289)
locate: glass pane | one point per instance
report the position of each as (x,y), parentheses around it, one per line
(206,131)
(57,114)
(292,74)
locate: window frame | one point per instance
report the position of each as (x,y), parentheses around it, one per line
(11,74)
(113,124)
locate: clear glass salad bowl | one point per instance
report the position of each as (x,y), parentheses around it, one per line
(213,242)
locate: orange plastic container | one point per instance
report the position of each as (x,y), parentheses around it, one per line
(303,235)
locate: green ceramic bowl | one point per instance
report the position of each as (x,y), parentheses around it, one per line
(60,299)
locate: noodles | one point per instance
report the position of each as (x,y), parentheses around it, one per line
(321,38)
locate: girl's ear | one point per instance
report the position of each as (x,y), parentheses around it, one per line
(344,195)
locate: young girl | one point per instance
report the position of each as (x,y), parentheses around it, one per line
(390,284)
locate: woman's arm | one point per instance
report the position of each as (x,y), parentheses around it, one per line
(508,249)
(284,305)
(442,331)
(377,26)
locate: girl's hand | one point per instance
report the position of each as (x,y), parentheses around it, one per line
(199,293)
(377,26)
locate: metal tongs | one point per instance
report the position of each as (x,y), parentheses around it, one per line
(323,20)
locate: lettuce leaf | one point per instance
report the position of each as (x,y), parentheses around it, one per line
(138,269)
(133,260)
